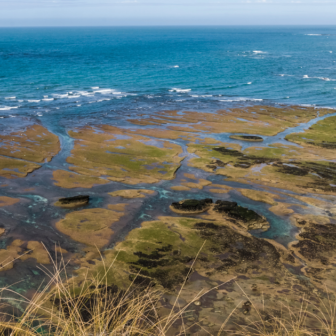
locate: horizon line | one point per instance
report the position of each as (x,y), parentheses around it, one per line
(169,25)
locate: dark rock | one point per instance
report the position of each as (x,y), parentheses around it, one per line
(251,137)
(227,151)
(218,163)
(224,206)
(193,205)
(82,199)
(291,170)
(253,220)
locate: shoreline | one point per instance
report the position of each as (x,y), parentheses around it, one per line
(134,175)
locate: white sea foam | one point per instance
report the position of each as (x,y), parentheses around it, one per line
(7,108)
(241,99)
(327,79)
(322,78)
(249,83)
(74,96)
(61,95)
(259,52)
(176,66)
(104,91)
(330,52)
(313,34)
(33,100)
(116,93)
(194,96)
(20,101)
(85,93)
(48,99)
(95,88)
(179,90)
(10,97)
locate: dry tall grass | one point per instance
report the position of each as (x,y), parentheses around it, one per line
(98,309)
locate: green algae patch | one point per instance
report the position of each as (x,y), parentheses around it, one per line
(21,151)
(162,251)
(132,193)
(35,143)
(258,196)
(13,168)
(321,134)
(158,251)
(68,180)
(89,226)
(263,120)
(180,188)
(20,250)
(6,201)
(277,165)
(121,156)
(37,251)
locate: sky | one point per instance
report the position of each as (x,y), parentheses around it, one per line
(166,12)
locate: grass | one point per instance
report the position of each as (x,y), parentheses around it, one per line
(97,309)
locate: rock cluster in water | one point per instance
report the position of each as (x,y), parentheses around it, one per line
(74,201)
(253,220)
(192,205)
(247,138)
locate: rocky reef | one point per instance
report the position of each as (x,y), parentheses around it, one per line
(246,217)
(249,217)
(192,206)
(252,138)
(73,202)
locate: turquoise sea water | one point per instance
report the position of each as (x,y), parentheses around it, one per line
(97,72)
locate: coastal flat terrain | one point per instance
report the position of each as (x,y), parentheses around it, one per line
(241,201)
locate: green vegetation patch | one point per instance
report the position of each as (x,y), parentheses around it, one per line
(12,168)
(162,251)
(101,153)
(89,226)
(35,143)
(321,134)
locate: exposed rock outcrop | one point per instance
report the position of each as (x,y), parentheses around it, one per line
(253,220)
(72,202)
(192,206)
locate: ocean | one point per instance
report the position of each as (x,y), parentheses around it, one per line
(54,74)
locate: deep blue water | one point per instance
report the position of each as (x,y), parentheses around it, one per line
(96,72)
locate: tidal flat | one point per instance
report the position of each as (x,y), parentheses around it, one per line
(178,195)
